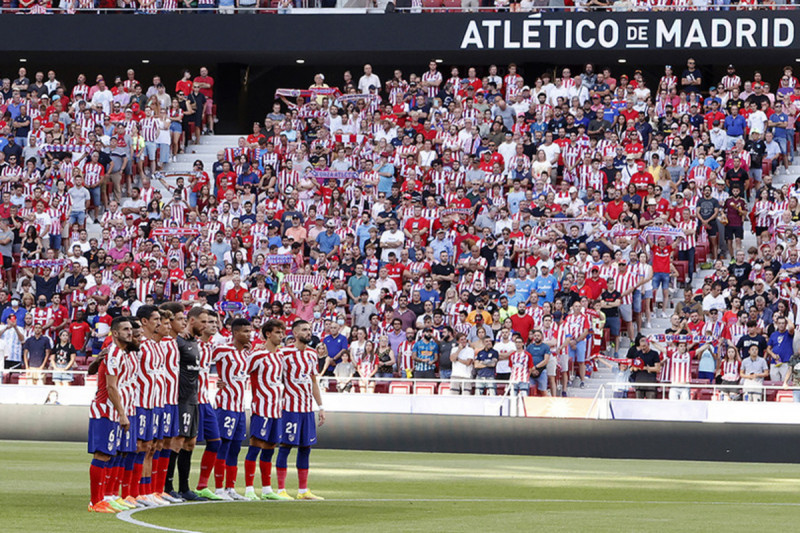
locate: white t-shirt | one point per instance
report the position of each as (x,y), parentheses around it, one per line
(366,81)
(504,348)
(461,369)
(389,237)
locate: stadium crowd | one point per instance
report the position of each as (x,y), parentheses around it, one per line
(149,7)
(515,228)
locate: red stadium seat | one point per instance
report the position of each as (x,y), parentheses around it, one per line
(683,271)
(772,393)
(381,387)
(400,387)
(700,253)
(444,387)
(705,395)
(425,388)
(784,396)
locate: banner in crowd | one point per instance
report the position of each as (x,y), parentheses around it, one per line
(618,233)
(573,221)
(691,339)
(174,232)
(662,231)
(350,138)
(308,93)
(228,306)
(456,211)
(323,175)
(347,98)
(41,263)
(69,147)
(301,280)
(186,174)
(278,259)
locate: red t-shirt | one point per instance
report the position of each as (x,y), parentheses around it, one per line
(78,333)
(236,295)
(208,93)
(185,86)
(522,324)
(662,258)
(596,287)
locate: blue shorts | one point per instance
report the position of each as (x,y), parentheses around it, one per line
(660,280)
(578,354)
(169,421)
(146,427)
(266,429)
(128,438)
(541,380)
(522,386)
(103,436)
(637,301)
(298,429)
(158,415)
(207,423)
(150,149)
(175,127)
(232,424)
(613,324)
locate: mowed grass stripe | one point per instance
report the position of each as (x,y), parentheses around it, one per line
(44,487)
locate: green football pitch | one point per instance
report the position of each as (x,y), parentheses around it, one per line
(44,488)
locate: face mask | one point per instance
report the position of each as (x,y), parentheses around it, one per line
(340,322)
(42,304)
(317,315)
(427,336)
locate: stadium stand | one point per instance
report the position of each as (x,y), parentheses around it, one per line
(431,226)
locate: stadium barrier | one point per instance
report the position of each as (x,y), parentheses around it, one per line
(621,439)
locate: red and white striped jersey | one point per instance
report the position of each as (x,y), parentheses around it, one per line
(232,370)
(151,363)
(206,353)
(113,365)
(405,360)
(510,82)
(150,127)
(625,282)
(42,315)
(730,370)
(576,325)
(521,363)
(728,83)
(92,174)
(286,178)
(129,388)
(172,369)
(299,372)
(680,366)
(668,81)
(266,381)
(689,241)
(431,77)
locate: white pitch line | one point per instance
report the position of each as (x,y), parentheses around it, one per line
(127,516)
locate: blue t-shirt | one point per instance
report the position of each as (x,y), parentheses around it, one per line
(524,288)
(546,287)
(538,351)
(426,350)
(779,133)
(486,356)
(335,345)
(781,344)
(385,183)
(328,242)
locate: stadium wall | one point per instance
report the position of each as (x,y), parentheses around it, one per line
(341,38)
(492,435)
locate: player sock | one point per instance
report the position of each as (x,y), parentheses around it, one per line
(97,479)
(145,486)
(172,461)
(219,465)
(111,477)
(156,478)
(138,464)
(250,466)
(184,467)
(265,465)
(127,475)
(303,454)
(206,466)
(281,466)
(231,462)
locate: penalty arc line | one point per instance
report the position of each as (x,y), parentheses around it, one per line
(127,516)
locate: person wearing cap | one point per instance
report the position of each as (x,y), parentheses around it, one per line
(328,240)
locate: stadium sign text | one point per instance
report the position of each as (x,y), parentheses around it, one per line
(630,32)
